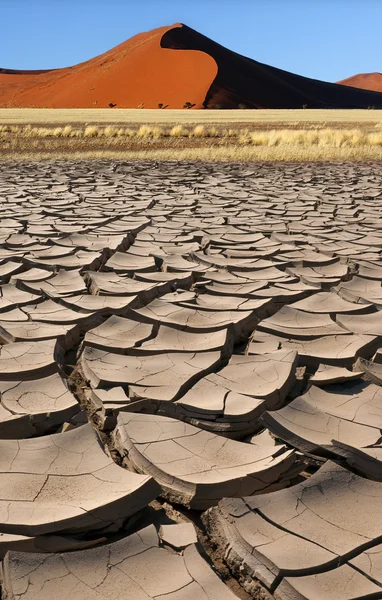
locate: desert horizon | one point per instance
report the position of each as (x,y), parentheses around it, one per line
(177,67)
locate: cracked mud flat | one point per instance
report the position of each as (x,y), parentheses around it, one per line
(190,381)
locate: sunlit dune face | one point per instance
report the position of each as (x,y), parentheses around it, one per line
(137,73)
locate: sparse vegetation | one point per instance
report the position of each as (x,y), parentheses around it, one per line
(91,131)
(330,138)
(177,131)
(111,131)
(9,128)
(145,131)
(274,137)
(198,131)
(293,140)
(209,154)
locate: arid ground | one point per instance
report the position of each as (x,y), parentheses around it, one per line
(190,357)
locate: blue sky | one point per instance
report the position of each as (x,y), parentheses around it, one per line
(323,39)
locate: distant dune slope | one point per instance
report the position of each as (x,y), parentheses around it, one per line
(172,66)
(365,81)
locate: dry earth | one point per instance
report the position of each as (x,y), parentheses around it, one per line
(190,381)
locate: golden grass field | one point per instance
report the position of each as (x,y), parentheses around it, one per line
(135,115)
(215,135)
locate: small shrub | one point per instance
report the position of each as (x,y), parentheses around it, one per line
(198,131)
(110,131)
(375,139)
(28,131)
(228,133)
(188,105)
(245,137)
(145,131)
(91,131)
(129,132)
(67,131)
(9,128)
(259,138)
(177,131)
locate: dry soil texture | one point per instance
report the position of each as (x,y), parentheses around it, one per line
(190,363)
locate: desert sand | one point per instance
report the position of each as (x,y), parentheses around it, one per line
(365,81)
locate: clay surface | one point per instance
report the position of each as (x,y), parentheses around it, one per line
(207,466)
(182,342)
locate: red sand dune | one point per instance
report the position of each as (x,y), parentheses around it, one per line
(365,81)
(174,65)
(138,71)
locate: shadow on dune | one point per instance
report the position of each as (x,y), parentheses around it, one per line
(245,83)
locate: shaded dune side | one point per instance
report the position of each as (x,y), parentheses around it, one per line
(241,80)
(137,72)
(365,81)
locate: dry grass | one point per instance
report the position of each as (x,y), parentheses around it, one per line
(56,116)
(199,131)
(214,154)
(9,128)
(177,131)
(273,137)
(91,131)
(200,142)
(147,132)
(325,138)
